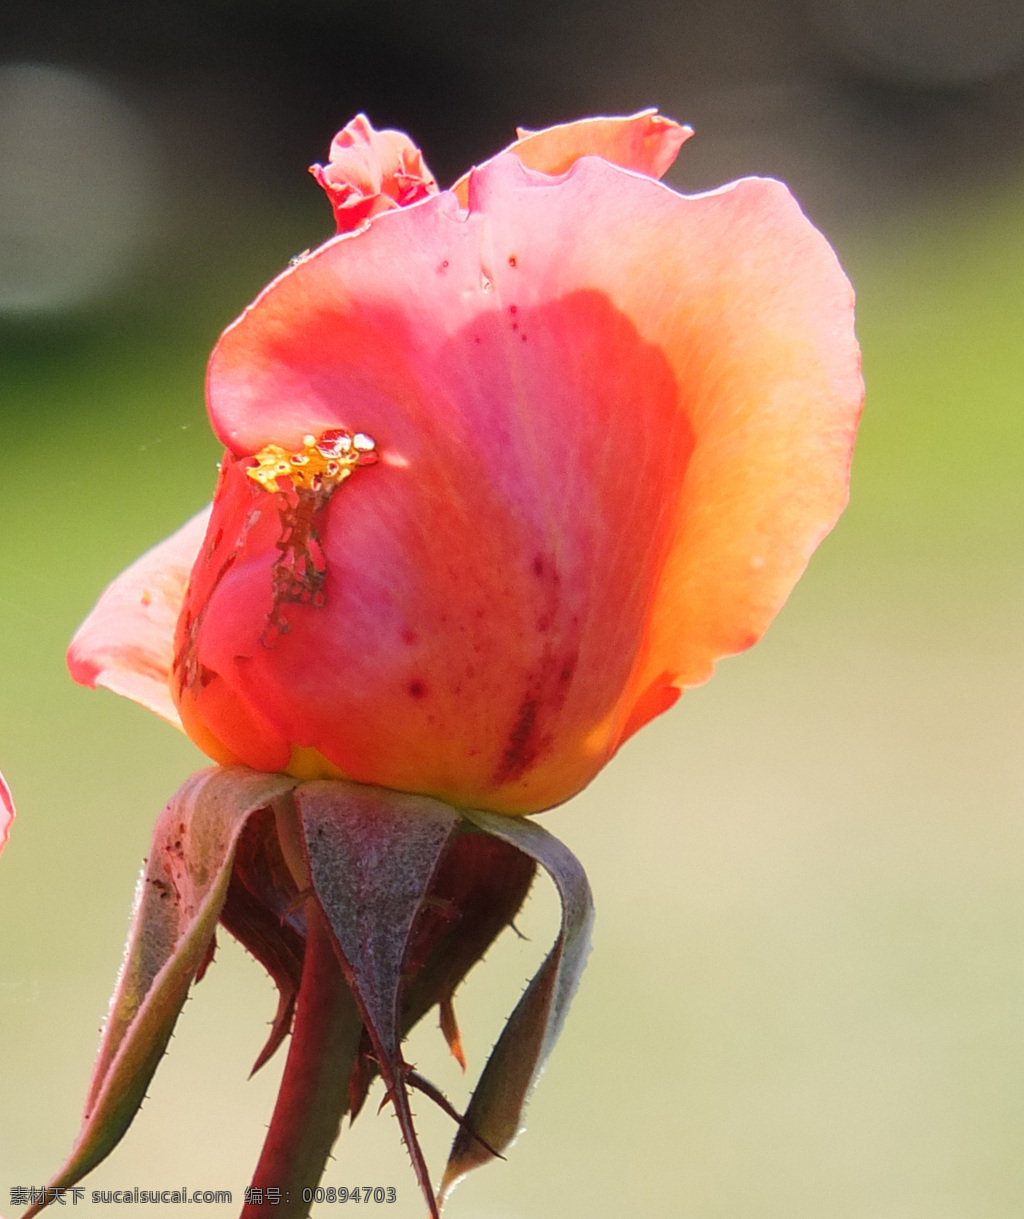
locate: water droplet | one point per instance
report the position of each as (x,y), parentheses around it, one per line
(363,443)
(334,443)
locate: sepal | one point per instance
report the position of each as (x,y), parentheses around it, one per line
(179,899)
(367,907)
(372,856)
(494,1116)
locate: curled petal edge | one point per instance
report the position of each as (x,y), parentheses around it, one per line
(646,143)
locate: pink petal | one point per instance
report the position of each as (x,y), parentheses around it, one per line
(127,643)
(6,812)
(369,172)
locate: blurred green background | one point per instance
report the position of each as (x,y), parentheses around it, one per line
(806,996)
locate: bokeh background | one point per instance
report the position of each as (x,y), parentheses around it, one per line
(806,996)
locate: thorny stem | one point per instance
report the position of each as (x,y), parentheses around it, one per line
(314,1089)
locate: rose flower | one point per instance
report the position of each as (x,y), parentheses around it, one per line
(507,467)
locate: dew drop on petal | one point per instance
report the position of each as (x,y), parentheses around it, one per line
(333,443)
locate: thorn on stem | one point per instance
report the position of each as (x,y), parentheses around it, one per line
(450,1029)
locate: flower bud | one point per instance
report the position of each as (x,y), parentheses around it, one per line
(507,468)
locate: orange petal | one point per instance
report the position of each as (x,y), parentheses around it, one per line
(754,314)
(647,143)
(127,643)
(760,331)
(755,317)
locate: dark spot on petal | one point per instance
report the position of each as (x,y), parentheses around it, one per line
(538,565)
(515,326)
(409,636)
(417,689)
(567,670)
(522,744)
(512,260)
(543,622)
(513,309)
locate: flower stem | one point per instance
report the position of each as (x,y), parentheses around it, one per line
(314,1089)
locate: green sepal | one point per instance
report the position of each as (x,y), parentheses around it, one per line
(178,902)
(411,893)
(494,1116)
(372,854)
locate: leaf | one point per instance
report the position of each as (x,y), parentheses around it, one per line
(178,902)
(495,1110)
